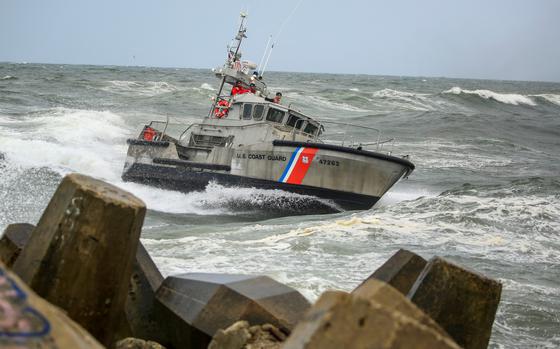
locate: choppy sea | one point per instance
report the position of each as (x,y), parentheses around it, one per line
(485,192)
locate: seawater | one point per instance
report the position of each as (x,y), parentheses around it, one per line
(485,194)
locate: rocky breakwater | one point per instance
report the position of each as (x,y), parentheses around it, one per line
(84,259)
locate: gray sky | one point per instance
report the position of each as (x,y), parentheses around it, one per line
(494,39)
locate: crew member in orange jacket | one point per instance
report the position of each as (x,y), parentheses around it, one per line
(237,88)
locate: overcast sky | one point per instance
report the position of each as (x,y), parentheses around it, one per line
(494,39)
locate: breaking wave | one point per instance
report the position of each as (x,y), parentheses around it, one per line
(551,98)
(406,100)
(66,140)
(143,88)
(506,98)
(8,77)
(323,102)
(207,86)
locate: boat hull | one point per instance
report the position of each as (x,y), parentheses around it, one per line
(186,180)
(352,179)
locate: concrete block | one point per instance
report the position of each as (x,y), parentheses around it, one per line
(12,242)
(400,271)
(390,298)
(195,306)
(341,320)
(28,321)
(462,302)
(139,306)
(80,255)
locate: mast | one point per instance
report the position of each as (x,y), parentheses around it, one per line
(234,56)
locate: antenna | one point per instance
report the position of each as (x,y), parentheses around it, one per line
(233,57)
(239,37)
(267,58)
(280,32)
(264,54)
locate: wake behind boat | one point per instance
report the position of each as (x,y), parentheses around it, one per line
(250,139)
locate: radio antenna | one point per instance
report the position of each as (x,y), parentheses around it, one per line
(264,55)
(279,33)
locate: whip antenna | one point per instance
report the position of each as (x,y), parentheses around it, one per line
(264,55)
(267,58)
(280,32)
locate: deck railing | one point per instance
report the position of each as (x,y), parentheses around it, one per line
(352,135)
(339,133)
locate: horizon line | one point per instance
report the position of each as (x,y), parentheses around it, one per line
(288,71)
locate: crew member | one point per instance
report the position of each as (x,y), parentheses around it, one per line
(252,88)
(277,98)
(237,88)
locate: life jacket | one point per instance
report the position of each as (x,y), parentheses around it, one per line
(221,109)
(243,91)
(149,133)
(236,90)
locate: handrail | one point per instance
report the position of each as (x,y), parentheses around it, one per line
(378,142)
(232,126)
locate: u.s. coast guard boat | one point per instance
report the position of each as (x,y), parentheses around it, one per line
(249,139)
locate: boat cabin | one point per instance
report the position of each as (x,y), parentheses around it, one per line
(250,119)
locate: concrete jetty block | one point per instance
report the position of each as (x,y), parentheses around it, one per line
(341,320)
(400,271)
(139,306)
(28,321)
(80,255)
(390,298)
(462,302)
(13,240)
(195,306)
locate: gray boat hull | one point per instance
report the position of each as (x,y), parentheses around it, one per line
(350,178)
(186,180)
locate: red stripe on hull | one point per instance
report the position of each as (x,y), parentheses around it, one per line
(302,165)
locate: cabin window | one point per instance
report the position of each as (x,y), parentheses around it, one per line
(294,121)
(310,128)
(258,111)
(275,115)
(247,110)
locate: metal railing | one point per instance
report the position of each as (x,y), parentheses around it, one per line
(343,134)
(351,139)
(210,128)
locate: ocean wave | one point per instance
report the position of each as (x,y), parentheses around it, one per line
(506,98)
(324,103)
(142,88)
(390,93)
(551,98)
(207,86)
(8,77)
(68,140)
(409,100)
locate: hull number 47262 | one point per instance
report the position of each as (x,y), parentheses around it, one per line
(329,162)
